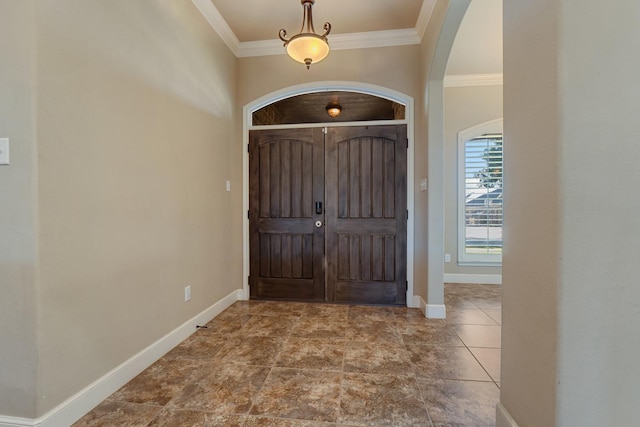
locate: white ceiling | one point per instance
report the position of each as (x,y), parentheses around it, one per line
(250,27)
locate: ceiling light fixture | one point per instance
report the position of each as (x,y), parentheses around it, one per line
(307,47)
(334,109)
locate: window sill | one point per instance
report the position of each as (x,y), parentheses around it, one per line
(479,264)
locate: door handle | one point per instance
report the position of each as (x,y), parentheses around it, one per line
(318,224)
(319,208)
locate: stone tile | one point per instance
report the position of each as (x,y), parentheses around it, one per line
(457,296)
(365,312)
(113,413)
(473,295)
(219,373)
(496,315)
(373,331)
(489,358)
(474,291)
(229,324)
(381,400)
(251,350)
(486,304)
(279,326)
(278,308)
(480,335)
(199,346)
(487,296)
(324,328)
(329,311)
(411,315)
(230,390)
(159,383)
(445,362)
(299,394)
(453,302)
(469,316)
(460,403)
(242,308)
(170,417)
(252,421)
(430,333)
(302,353)
(377,358)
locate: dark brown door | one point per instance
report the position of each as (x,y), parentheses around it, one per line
(286,179)
(362,214)
(366,216)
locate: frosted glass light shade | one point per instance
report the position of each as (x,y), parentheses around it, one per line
(307,48)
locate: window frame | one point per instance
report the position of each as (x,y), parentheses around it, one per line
(464,258)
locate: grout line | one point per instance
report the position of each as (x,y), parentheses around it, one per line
(477,360)
(424,402)
(398,325)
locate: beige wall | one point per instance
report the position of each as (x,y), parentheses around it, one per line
(421,232)
(570,270)
(464,107)
(530,263)
(135,129)
(18,204)
(437,43)
(599,241)
(397,68)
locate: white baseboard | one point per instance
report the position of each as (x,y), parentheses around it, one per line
(503,419)
(420,303)
(432,311)
(85,400)
(16,422)
(413,301)
(436,311)
(487,279)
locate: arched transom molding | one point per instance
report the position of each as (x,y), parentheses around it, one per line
(347,86)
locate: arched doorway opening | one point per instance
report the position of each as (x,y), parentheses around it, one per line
(399,102)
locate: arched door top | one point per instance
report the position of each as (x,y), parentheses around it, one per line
(272,98)
(312,87)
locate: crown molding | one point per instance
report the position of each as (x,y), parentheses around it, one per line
(424,17)
(465,80)
(337,42)
(218,23)
(260,48)
(370,39)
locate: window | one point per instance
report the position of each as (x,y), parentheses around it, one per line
(480,195)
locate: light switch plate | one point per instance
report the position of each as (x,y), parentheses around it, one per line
(423,184)
(4,151)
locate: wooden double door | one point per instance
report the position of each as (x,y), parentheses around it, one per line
(327,214)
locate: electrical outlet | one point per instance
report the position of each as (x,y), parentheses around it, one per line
(447,257)
(187,293)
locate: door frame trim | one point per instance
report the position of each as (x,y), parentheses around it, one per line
(312,87)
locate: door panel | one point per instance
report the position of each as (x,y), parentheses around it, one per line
(366,214)
(363,220)
(286,178)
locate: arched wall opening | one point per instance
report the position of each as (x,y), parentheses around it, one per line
(434,101)
(332,86)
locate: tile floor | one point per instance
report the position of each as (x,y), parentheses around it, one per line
(312,365)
